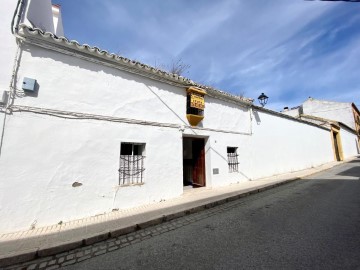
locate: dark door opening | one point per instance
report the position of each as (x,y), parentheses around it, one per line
(336,146)
(194,162)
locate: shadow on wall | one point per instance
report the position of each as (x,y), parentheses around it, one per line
(226,160)
(257,117)
(170,109)
(20,93)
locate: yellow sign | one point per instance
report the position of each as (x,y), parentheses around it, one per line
(197,101)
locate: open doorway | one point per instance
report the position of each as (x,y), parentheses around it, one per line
(194,162)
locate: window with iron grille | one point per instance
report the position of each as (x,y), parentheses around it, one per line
(131,171)
(233,159)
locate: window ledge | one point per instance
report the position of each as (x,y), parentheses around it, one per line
(131,185)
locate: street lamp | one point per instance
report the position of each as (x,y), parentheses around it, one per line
(263,99)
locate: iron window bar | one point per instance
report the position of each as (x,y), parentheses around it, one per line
(233,162)
(131,171)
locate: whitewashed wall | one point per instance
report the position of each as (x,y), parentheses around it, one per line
(275,145)
(70,84)
(292,112)
(281,145)
(349,143)
(54,153)
(338,111)
(43,156)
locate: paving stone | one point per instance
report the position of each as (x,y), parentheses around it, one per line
(111,240)
(113,248)
(83,258)
(94,249)
(100,252)
(69,262)
(60,260)
(103,247)
(70,257)
(52,262)
(135,241)
(124,240)
(130,238)
(146,237)
(53,267)
(31,267)
(118,242)
(43,265)
(124,245)
(79,254)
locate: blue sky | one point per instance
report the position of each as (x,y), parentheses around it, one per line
(288,49)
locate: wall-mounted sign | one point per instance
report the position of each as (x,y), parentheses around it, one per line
(195,105)
(197,101)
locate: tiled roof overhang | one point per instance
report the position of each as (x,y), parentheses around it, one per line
(71,47)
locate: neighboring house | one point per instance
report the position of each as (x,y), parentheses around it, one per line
(344,113)
(85,131)
(344,139)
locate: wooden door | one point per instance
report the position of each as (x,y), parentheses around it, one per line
(198,151)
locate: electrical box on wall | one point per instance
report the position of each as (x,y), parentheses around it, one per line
(29,84)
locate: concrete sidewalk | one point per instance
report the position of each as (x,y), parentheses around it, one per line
(45,241)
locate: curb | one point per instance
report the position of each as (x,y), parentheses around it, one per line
(30,255)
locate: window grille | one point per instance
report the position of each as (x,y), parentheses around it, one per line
(233,159)
(131,171)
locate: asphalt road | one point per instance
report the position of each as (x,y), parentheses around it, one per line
(312,223)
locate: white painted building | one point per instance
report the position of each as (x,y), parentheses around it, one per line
(98,132)
(344,114)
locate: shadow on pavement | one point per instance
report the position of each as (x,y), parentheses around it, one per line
(357,160)
(355,172)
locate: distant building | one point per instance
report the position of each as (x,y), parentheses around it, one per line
(345,113)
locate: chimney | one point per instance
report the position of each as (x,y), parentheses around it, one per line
(57,19)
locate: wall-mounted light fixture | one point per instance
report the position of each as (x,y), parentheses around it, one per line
(263,99)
